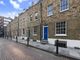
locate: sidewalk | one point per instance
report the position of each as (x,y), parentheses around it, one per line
(69,52)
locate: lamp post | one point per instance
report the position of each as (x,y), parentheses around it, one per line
(10,30)
(28,39)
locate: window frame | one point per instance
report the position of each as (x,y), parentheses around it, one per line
(36,15)
(65,29)
(31,16)
(35,34)
(64,9)
(50,10)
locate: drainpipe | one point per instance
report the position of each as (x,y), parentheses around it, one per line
(17,31)
(41,20)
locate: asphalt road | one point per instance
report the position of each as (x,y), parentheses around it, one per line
(10,50)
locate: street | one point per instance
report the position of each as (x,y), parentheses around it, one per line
(10,50)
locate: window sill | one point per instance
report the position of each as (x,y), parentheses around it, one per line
(34,34)
(49,15)
(60,34)
(64,10)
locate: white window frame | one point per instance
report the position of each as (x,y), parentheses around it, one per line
(65,30)
(49,11)
(64,9)
(34,33)
(36,14)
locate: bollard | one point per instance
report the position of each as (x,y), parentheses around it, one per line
(57,47)
(28,41)
(16,39)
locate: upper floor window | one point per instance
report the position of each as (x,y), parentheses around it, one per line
(30,17)
(64,5)
(60,28)
(36,16)
(50,9)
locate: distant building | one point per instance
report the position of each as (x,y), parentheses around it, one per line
(6,22)
(1,26)
(3,23)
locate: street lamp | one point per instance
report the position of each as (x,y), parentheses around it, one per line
(28,39)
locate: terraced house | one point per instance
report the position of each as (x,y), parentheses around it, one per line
(14,27)
(22,28)
(34,21)
(61,20)
(29,20)
(50,20)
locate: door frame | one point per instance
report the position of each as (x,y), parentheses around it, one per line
(43,32)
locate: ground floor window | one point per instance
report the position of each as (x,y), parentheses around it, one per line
(23,31)
(60,28)
(35,29)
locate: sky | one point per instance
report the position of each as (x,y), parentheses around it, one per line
(11,8)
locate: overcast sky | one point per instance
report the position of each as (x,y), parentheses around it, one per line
(11,8)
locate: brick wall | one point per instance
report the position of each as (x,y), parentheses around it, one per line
(71,16)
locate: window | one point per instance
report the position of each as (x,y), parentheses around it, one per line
(23,31)
(36,16)
(64,5)
(61,29)
(50,9)
(35,30)
(30,17)
(23,18)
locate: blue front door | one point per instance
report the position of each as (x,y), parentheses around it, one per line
(45,32)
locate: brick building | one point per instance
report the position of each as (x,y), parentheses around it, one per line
(61,21)
(51,20)
(22,28)
(13,27)
(35,20)
(30,20)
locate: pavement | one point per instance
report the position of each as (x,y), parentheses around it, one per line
(68,52)
(10,50)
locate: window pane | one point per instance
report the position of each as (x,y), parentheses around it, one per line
(30,17)
(50,9)
(35,30)
(64,4)
(60,28)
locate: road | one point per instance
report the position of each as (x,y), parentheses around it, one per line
(10,50)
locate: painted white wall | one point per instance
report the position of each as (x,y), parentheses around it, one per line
(20,37)
(70,43)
